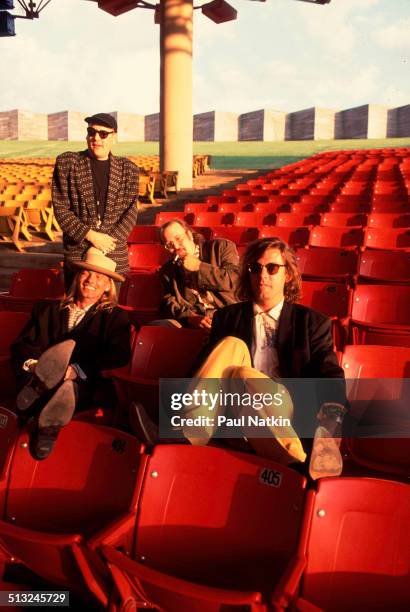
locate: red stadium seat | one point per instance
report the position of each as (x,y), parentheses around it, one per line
(381,315)
(165,216)
(213,218)
(350,204)
(387,205)
(197,552)
(308,207)
(31,284)
(249,219)
(341,237)
(327,264)
(387,238)
(332,299)
(385,266)
(355,549)
(159,352)
(333,219)
(386,220)
(296,237)
(58,503)
(143,233)
(376,403)
(197,207)
(140,296)
(295,219)
(11,324)
(239,235)
(147,256)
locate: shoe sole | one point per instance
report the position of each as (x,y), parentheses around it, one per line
(49,370)
(60,408)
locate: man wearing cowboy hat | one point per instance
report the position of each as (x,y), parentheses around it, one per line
(62,350)
(94,196)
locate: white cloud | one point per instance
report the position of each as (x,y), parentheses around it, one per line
(332,26)
(395,36)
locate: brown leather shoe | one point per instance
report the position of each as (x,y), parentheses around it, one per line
(49,371)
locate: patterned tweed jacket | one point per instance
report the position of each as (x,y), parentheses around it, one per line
(75,206)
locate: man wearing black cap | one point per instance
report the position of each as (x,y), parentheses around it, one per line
(95,197)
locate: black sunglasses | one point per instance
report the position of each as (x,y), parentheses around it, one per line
(271,268)
(101,133)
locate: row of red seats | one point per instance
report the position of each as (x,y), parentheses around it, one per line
(151,520)
(256,214)
(367,314)
(246,228)
(319,263)
(378,311)
(128,529)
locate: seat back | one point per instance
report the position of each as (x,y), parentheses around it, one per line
(147,256)
(38,283)
(343,237)
(141,290)
(11,324)
(386,304)
(294,236)
(236,233)
(386,266)
(213,218)
(332,299)
(142,587)
(327,263)
(143,233)
(340,219)
(387,238)
(91,478)
(385,220)
(378,390)
(87,481)
(165,352)
(359,546)
(217,517)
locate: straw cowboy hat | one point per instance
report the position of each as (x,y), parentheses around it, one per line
(96,261)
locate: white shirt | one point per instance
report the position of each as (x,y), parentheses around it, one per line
(264,353)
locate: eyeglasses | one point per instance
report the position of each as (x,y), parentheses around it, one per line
(103,134)
(172,244)
(271,268)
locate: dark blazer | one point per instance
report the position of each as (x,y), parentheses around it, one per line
(75,206)
(218,274)
(304,338)
(304,344)
(102,338)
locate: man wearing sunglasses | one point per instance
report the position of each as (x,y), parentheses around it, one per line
(95,197)
(269,336)
(200,276)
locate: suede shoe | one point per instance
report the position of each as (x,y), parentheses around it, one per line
(48,373)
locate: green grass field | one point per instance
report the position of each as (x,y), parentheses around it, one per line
(224,155)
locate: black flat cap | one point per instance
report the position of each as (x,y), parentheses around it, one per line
(103,119)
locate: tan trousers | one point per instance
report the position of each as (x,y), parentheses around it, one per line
(230,359)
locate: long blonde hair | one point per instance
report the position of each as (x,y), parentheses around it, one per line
(107,301)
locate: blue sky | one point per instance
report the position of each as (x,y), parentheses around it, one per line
(282,54)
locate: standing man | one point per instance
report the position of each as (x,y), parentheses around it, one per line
(95,197)
(200,277)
